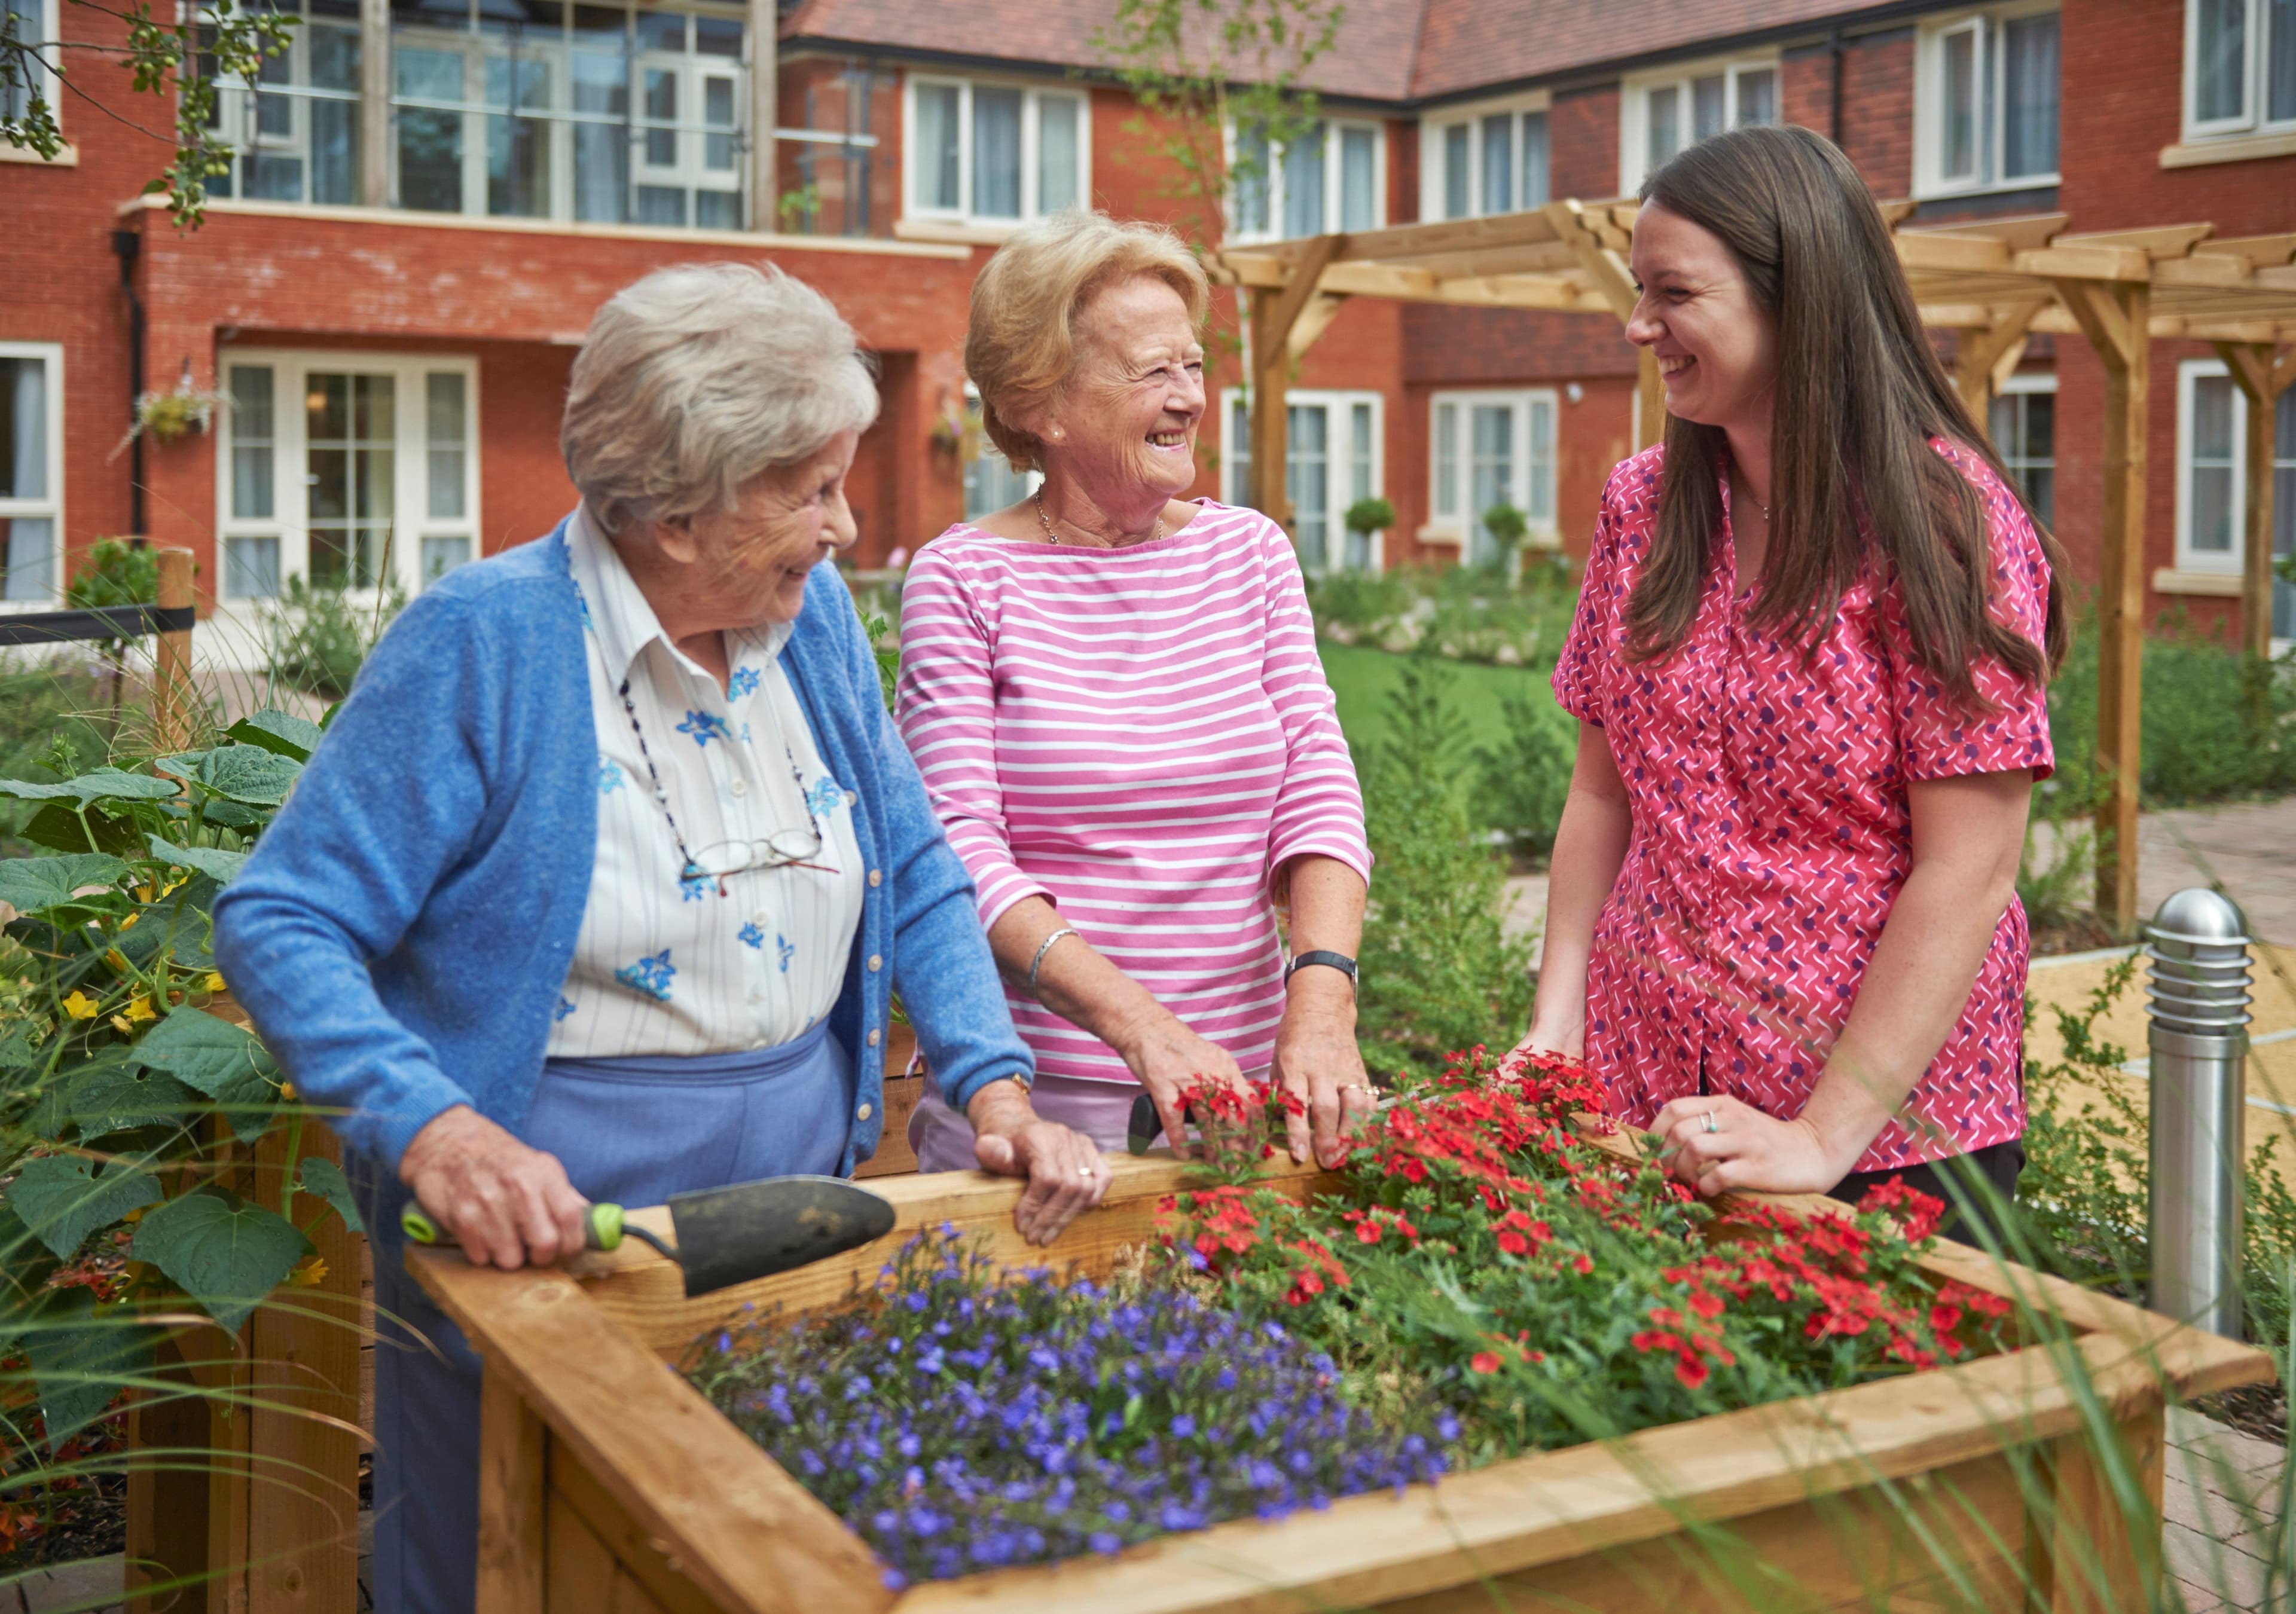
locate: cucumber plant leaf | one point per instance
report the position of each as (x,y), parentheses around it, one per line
(34,885)
(219,1060)
(323,1179)
(98,785)
(292,737)
(63,1200)
(247,774)
(113,1095)
(59,828)
(208,860)
(224,1253)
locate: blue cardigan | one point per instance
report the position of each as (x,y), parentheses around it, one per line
(402,932)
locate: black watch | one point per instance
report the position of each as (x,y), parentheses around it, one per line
(1337,961)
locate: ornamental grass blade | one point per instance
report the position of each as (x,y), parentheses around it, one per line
(224,1253)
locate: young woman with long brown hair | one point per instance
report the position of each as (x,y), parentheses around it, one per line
(1808,665)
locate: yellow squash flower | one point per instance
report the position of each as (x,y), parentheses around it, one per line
(215,980)
(80,1006)
(310,1274)
(120,1024)
(139,1007)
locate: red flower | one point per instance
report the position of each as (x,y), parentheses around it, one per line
(1485,1361)
(1690,1369)
(1513,1242)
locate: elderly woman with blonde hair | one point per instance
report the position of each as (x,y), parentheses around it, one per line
(600,882)
(1114,698)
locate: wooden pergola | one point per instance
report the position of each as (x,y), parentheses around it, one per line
(1996,283)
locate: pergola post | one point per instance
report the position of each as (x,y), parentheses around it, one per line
(1276,316)
(2116,317)
(2261,378)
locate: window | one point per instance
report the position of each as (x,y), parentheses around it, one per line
(1985,100)
(31,470)
(1331,460)
(2240,66)
(2024,428)
(987,153)
(990,482)
(2212,481)
(295,125)
(1492,448)
(536,109)
(1332,177)
(1662,115)
(352,471)
(1485,161)
(30,23)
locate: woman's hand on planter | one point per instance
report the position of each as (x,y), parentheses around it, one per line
(1066,1172)
(1169,1059)
(1318,1060)
(1746,1148)
(506,1204)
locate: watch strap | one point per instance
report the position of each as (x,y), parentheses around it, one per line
(1336,960)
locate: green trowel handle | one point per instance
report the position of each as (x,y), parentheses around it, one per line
(601,1226)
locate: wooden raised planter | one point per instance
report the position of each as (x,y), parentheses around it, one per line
(610,1484)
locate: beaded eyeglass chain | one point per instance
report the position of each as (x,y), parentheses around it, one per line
(693,868)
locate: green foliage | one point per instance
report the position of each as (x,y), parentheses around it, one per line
(1438,969)
(1507,526)
(1525,781)
(321,636)
(115,572)
(2201,741)
(1369,515)
(214,40)
(1199,68)
(1460,613)
(124,1105)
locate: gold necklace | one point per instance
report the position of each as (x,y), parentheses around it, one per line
(1046,521)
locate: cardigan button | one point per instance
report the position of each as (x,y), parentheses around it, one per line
(876,877)
(876,962)
(875,1038)
(863,1113)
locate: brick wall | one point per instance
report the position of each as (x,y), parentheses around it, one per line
(1582,134)
(825,92)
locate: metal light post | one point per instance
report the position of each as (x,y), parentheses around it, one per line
(2199,1038)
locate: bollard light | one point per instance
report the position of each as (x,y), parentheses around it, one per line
(2197,943)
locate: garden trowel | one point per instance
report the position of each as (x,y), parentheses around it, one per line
(730,1236)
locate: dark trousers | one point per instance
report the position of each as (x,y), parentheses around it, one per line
(1975,1186)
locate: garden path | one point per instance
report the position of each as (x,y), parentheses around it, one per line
(2215,1501)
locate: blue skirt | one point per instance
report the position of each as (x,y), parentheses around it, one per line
(631,1131)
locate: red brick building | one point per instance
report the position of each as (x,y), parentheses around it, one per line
(433,196)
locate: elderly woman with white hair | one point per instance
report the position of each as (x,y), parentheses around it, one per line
(599,885)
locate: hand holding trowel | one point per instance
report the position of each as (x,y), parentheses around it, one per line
(730,1236)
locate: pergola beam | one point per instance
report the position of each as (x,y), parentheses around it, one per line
(1604,262)
(1275,313)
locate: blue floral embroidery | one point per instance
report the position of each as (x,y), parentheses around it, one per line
(649,976)
(744,682)
(705,727)
(693,887)
(823,799)
(565,1007)
(610,776)
(582,599)
(745,733)
(749,936)
(785,950)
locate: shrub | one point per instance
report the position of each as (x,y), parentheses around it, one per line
(1438,969)
(1526,780)
(2201,741)
(320,637)
(1369,516)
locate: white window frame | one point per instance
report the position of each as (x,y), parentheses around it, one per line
(2225,563)
(50,507)
(45,79)
(2252,120)
(235,119)
(1334,181)
(2029,383)
(1338,404)
(289,521)
(1433,146)
(1457,524)
(1930,177)
(1033,96)
(1634,106)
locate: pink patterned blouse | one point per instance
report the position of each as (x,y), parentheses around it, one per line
(1143,735)
(1771,832)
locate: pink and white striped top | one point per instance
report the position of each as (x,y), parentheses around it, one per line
(1145,737)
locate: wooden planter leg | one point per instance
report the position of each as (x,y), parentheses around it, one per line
(511,1477)
(2088,1556)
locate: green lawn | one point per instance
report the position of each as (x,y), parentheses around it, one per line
(1361,678)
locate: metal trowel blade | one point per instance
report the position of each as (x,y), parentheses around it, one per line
(754,1230)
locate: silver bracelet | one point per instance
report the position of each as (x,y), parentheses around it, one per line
(1044,948)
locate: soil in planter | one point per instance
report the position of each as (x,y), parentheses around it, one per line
(2260,1410)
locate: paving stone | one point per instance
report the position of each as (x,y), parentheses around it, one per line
(73,1586)
(2217,1568)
